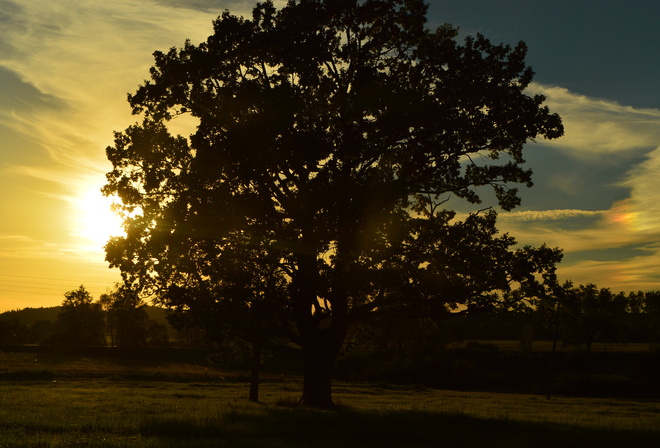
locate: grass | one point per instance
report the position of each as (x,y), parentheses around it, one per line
(69,401)
(546,346)
(107,413)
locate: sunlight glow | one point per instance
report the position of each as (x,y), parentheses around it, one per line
(95,220)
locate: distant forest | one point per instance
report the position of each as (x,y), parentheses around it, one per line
(577,318)
(38,326)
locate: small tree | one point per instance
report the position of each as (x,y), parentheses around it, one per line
(330,133)
(127,322)
(242,294)
(80,320)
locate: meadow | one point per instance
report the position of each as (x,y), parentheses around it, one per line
(66,401)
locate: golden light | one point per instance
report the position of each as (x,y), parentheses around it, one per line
(95,220)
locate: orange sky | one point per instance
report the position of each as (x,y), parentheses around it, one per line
(66,67)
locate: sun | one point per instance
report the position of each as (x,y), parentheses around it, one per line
(95,220)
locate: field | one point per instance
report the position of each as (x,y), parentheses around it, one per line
(65,401)
(546,346)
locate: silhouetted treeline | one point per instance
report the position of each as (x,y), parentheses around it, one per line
(585,314)
(573,316)
(577,316)
(117,319)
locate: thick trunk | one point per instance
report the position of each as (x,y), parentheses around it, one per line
(321,328)
(317,385)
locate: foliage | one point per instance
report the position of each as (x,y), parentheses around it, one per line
(38,326)
(80,320)
(328,136)
(127,322)
(244,293)
(584,314)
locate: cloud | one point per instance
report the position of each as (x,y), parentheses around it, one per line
(614,248)
(600,128)
(546,215)
(88,56)
(26,247)
(644,203)
(19,96)
(582,230)
(632,273)
(609,159)
(237,7)
(64,83)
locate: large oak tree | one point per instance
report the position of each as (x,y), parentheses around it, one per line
(327,136)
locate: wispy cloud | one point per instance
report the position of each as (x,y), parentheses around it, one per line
(600,128)
(26,247)
(89,55)
(601,133)
(240,7)
(68,67)
(643,207)
(638,272)
(549,215)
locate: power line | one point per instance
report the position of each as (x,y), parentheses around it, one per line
(64,282)
(26,286)
(29,284)
(30,292)
(32,285)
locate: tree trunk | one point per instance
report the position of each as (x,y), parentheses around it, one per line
(551,367)
(317,385)
(254,372)
(321,331)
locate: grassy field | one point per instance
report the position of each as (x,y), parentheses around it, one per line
(69,401)
(546,346)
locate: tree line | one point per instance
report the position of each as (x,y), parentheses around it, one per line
(118,318)
(584,314)
(573,316)
(576,318)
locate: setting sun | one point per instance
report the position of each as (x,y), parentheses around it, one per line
(95,221)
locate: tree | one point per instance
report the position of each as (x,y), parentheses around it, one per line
(80,320)
(652,310)
(585,314)
(242,293)
(329,134)
(127,322)
(12,332)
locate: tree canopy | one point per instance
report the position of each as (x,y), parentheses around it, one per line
(80,320)
(126,317)
(327,137)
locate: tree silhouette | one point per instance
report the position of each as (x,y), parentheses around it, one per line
(127,322)
(242,293)
(651,308)
(329,134)
(80,320)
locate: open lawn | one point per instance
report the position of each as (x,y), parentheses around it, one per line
(546,346)
(68,401)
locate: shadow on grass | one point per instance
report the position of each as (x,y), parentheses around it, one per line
(347,429)
(28,375)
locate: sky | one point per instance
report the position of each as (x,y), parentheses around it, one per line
(66,67)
